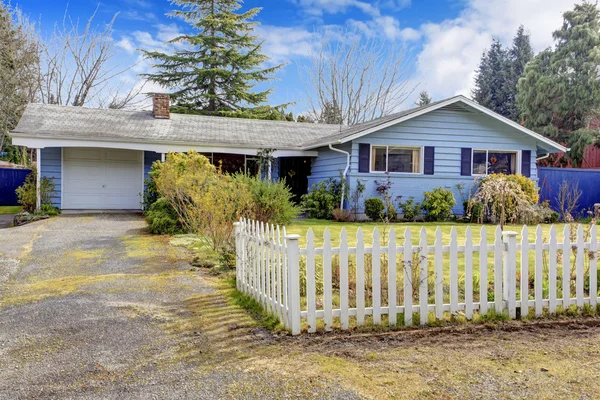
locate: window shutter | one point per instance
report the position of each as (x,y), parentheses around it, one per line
(526,163)
(363,157)
(429,160)
(465,162)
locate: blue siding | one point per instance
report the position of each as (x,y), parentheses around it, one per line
(329,164)
(52,168)
(149,158)
(448,130)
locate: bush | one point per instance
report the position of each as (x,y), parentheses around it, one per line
(272,201)
(473,211)
(49,210)
(151,194)
(341,215)
(322,199)
(438,203)
(27,193)
(374,208)
(410,209)
(526,184)
(162,218)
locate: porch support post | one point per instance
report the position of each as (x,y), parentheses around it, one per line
(38,200)
(269,171)
(162,157)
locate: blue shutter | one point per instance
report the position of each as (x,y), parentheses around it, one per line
(526,163)
(364,150)
(465,162)
(429,160)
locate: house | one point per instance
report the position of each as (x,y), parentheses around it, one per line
(99,158)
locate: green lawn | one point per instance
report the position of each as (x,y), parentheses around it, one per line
(10,209)
(301,227)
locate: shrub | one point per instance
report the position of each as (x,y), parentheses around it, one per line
(150,195)
(410,209)
(504,200)
(438,203)
(163,219)
(384,189)
(341,215)
(206,201)
(271,201)
(526,184)
(27,193)
(374,208)
(322,198)
(473,211)
(49,210)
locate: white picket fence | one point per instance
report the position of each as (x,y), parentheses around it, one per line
(275,271)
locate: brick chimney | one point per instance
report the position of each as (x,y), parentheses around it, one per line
(161,104)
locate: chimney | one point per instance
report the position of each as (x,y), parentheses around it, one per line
(161,104)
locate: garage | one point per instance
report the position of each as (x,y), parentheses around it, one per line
(102,179)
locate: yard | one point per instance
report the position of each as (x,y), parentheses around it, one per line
(10,210)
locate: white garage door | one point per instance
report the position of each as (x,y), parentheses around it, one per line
(102,178)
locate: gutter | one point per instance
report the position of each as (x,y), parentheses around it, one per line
(345,171)
(542,157)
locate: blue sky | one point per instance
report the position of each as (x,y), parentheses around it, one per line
(446,37)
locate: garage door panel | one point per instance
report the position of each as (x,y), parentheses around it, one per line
(102,179)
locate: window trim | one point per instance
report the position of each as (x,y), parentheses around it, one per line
(387,147)
(517,161)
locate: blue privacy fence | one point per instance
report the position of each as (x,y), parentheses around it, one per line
(10,179)
(588,180)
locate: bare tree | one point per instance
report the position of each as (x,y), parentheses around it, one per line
(80,67)
(353,78)
(568,199)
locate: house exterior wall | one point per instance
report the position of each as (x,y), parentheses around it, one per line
(51,167)
(329,164)
(447,130)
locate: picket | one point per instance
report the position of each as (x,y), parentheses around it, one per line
(376,277)
(469,273)
(392,302)
(360,278)
(423,275)
(552,247)
(327,281)
(269,264)
(408,288)
(311,291)
(344,320)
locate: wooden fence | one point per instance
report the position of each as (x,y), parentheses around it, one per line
(432,280)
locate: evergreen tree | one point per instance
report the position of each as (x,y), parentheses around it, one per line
(306,119)
(560,92)
(216,68)
(518,56)
(491,77)
(331,114)
(424,99)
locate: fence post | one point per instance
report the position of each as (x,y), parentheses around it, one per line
(237,226)
(293,256)
(510,272)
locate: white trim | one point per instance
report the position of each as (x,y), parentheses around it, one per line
(421,159)
(38,200)
(162,157)
(37,142)
(442,104)
(518,153)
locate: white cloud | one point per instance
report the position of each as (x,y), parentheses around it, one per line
(452,49)
(282,44)
(126,45)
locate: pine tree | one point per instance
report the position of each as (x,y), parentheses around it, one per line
(491,76)
(306,119)
(559,94)
(423,100)
(217,67)
(518,56)
(331,114)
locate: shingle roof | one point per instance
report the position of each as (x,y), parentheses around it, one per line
(53,121)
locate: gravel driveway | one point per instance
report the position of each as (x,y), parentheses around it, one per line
(92,307)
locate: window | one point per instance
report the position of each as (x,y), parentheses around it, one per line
(396,159)
(494,162)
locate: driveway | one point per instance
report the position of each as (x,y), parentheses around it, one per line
(93,307)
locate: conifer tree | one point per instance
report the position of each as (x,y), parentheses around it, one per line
(559,94)
(491,79)
(216,68)
(424,99)
(518,56)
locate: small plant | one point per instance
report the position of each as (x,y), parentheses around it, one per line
(410,209)
(341,215)
(322,199)
(27,193)
(438,203)
(384,189)
(568,199)
(374,208)
(355,198)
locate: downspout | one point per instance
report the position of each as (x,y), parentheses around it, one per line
(345,172)
(542,157)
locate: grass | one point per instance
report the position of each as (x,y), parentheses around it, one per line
(10,210)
